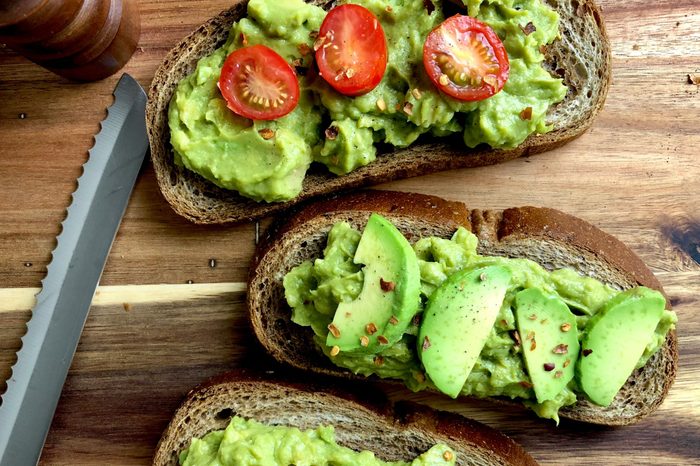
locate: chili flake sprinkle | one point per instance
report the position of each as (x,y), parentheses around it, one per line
(334,330)
(267,133)
(386,286)
(528,29)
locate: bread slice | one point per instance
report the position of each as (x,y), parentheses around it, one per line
(549,237)
(398,432)
(581,57)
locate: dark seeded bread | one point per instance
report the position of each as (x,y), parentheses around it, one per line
(399,432)
(547,236)
(581,57)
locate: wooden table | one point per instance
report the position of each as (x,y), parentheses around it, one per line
(170,309)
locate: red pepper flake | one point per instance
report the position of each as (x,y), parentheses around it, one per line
(447,456)
(393,320)
(426,343)
(549,366)
(526,114)
(525,384)
(566,363)
(382,340)
(304,49)
(419,376)
(561,349)
(378,361)
(516,337)
(533,345)
(267,133)
(528,29)
(334,351)
(532,317)
(416,320)
(244,39)
(334,330)
(558,374)
(331,133)
(565,327)
(364,341)
(313,34)
(543,49)
(586,352)
(370,328)
(386,286)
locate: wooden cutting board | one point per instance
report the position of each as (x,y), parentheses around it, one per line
(170,311)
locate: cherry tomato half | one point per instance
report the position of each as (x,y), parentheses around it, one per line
(351,50)
(258,83)
(465,59)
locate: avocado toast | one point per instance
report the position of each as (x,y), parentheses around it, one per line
(581,57)
(548,237)
(361,421)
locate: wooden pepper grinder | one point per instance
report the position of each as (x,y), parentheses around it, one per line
(82,40)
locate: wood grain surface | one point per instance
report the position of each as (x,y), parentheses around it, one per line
(170,310)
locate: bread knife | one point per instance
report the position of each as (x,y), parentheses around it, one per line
(62,305)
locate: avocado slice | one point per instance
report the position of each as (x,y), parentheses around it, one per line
(614,340)
(549,339)
(390,295)
(457,321)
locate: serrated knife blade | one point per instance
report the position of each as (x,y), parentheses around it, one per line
(62,305)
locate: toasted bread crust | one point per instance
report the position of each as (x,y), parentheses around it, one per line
(392,431)
(550,237)
(581,58)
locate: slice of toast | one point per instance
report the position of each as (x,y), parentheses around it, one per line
(547,236)
(581,57)
(399,432)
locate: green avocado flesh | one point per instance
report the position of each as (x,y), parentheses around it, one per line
(457,321)
(506,365)
(247,442)
(390,295)
(230,151)
(615,339)
(549,340)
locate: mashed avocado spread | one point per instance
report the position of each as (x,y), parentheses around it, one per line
(231,151)
(314,289)
(247,443)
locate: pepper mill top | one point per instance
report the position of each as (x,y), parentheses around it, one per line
(83,40)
